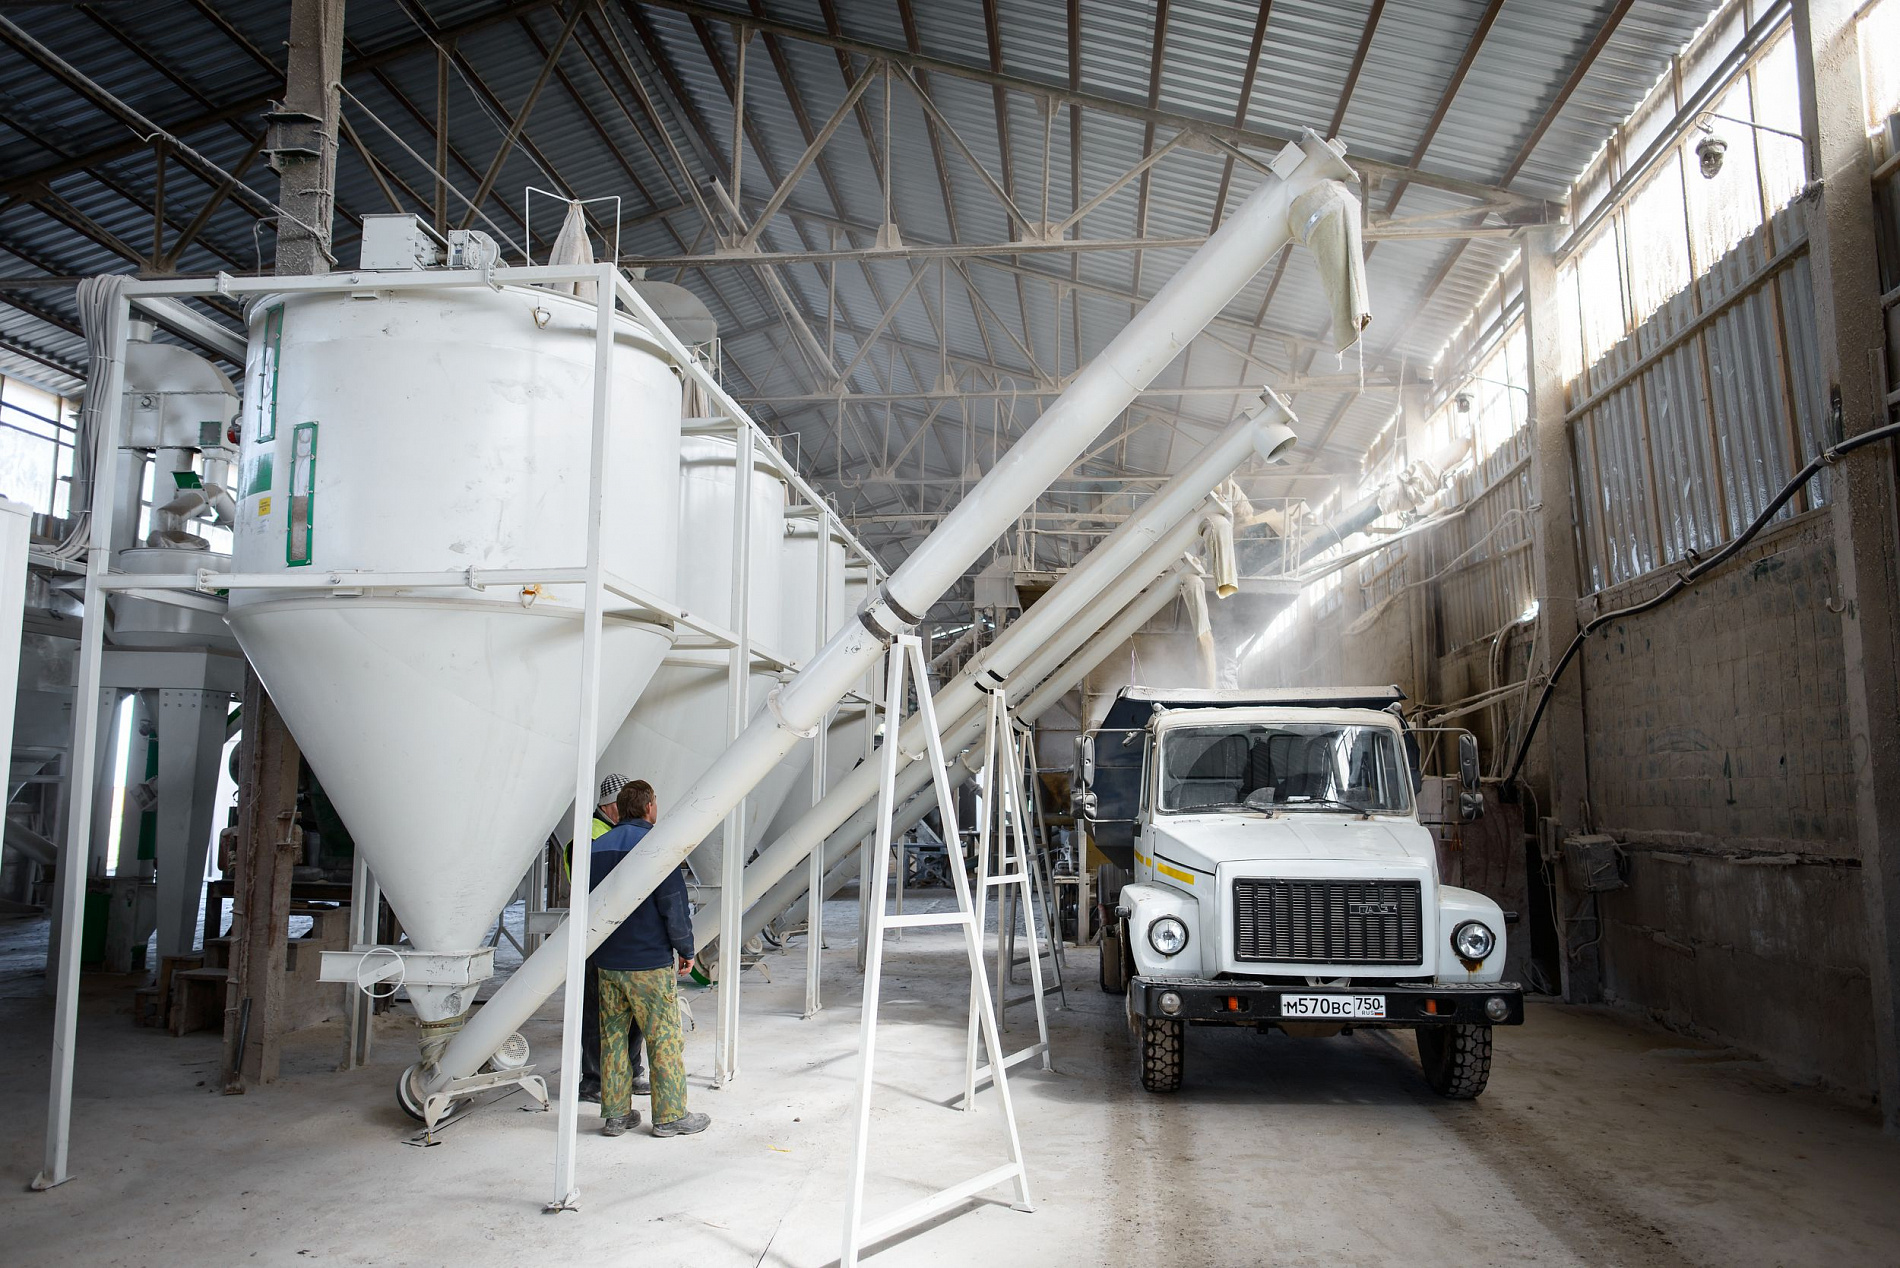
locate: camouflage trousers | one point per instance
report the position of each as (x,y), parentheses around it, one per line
(651,996)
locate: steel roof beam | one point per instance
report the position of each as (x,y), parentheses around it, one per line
(1387,171)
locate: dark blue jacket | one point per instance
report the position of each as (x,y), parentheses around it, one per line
(658,927)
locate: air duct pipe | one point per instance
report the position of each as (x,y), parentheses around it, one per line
(1210,279)
(784,896)
(780,861)
(1165,516)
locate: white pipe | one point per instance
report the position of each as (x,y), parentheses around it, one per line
(851,816)
(786,896)
(1209,280)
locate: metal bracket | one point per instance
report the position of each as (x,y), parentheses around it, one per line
(438,1104)
(367,966)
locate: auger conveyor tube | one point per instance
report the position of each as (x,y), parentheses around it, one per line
(1206,283)
(961,701)
(844,846)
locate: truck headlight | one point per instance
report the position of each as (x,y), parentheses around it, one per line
(1168,935)
(1473,940)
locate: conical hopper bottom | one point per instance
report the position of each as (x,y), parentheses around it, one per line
(444,732)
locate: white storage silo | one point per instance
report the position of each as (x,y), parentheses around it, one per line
(846,590)
(681,722)
(439,431)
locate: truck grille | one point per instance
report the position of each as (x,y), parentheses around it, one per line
(1327,922)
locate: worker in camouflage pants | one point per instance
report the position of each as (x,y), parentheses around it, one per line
(638,967)
(652,997)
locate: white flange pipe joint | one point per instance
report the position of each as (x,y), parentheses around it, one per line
(1210,279)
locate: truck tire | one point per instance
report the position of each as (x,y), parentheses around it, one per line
(1456,1059)
(1163,1048)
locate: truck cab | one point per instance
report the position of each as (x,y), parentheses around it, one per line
(1268,870)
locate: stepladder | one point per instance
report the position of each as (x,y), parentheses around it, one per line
(906,656)
(1006,830)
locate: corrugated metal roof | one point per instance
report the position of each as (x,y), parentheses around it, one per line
(1013,320)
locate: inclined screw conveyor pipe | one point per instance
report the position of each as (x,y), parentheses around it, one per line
(787,896)
(1206,283)
(850,816)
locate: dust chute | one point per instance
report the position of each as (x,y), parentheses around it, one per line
(1217,542)
(1325,221)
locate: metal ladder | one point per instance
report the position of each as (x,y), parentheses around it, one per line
(1017,885)
(858,1232)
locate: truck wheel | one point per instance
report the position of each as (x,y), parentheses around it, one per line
(1163,1047)
(1456,1059)
(1114,980)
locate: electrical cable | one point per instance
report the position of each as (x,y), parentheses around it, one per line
(1684,580)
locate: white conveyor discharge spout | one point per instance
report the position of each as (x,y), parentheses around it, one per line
(1210,279)
(1161,592)
(839,814)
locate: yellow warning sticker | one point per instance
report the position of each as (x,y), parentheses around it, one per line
(263,505)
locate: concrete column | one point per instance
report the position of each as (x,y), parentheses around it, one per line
(269,840)
(269,846)
(1850,337)
(306,187)
(1557,762)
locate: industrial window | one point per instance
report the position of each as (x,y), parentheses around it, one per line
(303,487)
(37,429)
(260,377)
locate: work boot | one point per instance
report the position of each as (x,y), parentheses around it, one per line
(590,1090)
(622,1125)
(642,1086)
(687,1125)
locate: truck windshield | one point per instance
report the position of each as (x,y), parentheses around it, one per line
(1286,766)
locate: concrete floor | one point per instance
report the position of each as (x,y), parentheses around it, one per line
(1600,1142)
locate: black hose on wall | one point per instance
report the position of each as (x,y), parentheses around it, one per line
(1686,579)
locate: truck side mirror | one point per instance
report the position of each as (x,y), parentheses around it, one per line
(1470,807)
(1081,799)
(1468,761)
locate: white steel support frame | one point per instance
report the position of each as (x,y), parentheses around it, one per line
(739,712)
(907,651)
(366,900)
(586,751)
(84,758)
(1041,896)
(1003,808)
(820,745)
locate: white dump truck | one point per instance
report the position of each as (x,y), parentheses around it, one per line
(1268,869)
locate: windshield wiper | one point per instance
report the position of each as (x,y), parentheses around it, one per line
(1362,811)
(1222,805)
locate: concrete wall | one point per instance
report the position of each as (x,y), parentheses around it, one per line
(1716,735)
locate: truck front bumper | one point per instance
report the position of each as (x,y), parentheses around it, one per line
(1239,1002)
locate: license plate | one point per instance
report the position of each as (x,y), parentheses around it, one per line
(1332,1007)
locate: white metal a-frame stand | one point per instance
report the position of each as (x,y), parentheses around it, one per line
(857,1232)
(1004,807)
